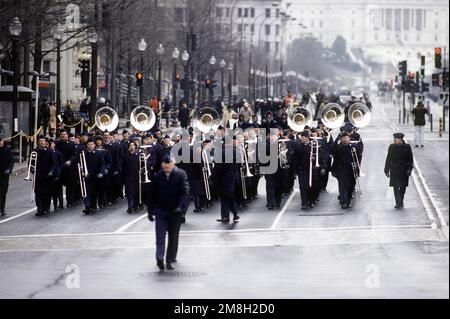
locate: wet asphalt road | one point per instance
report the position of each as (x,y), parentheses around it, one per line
(371,251)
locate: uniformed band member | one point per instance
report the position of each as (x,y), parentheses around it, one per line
(399,166)
(132,174)
(302,158)
(168,202)
(56,192)
(6,168)
(43,174)
(68,175)
(96,169)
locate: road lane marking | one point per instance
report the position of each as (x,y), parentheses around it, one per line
(32,210)
(285,208)
(124,228)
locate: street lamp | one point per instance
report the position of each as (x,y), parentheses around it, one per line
(185,57)
(93,40)
(175,56)
(15,29)
(212,62)
(160,52)
(58,35)
(222,65)
(230,82)
(142,46)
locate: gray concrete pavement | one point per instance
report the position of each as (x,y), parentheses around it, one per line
(371,251)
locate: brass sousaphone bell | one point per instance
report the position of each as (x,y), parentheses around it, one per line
(106,119)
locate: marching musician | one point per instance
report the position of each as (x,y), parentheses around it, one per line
(44,173)
(399,166)
(317,171)
(274,181)
(302,162)
(6,168)
(103,185)
(113,180)
(326,149)
(168,201)
(80,144)
(56,186)
(344,169)
(131,173)
(226,176)
(67,148)
(95,173)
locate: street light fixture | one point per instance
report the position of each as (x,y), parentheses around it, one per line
(175,56)
(58,35)
(185,56)
(230,82)
(142,45)
(93,39)
(15,29)
(222,65)
(213,60)
(160,52)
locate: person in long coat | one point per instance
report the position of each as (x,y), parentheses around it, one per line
(6,168)
(96,171)
(44,174)
(56,182)
(399,166)
(131,173)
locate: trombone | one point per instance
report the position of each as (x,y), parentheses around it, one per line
(143,173)
(245,171)
(83,173)
(356,165)
(206,170)
(314,157)
(32,172)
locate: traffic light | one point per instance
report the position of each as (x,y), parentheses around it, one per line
(178,77)
(140,79)
(403,69)
(208,83)
(422,66)
(425,87)
(438,58)
(436,80)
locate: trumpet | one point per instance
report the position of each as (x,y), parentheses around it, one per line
(83,173)
(106,119)
(32,172)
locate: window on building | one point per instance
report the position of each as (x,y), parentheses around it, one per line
(252,12)
(406,19)
(278,13)
(219,12)
(240,12)
(277,29)
(267,46)
(179,14)
(46,66)
(246,13)
(228,12)
(252,28)
(268,29)
(419,19)
(388,13)
(277,47)
(398,19)
(268,13)
(240,27)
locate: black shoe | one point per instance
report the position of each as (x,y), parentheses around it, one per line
(304,207)
(60,207)
(417,146)
(39,214)
(398,206)
(422,146)
(3,213)
(183,220)
(160,264)
(223,221)
(86,211)
(197,210)
(311,205)
(130,211)
(344,206)
(271,208)
(278,207)
(236,218)
(169,266)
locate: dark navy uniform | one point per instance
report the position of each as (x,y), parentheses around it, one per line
(44,174)
(105,183)
(169,198)
(56,193)
(274,184)
(68,175)
(302,162)
(6,168)
(131,172)
(399,166)
(96,170)
(113,179)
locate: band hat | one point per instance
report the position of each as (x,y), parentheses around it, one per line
(399,135)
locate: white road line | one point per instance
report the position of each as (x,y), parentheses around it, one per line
(17,216)
(285,208)
(127,226)
(231,232)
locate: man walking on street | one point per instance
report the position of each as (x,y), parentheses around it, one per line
(6,167)
(168,203)
(419,113)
